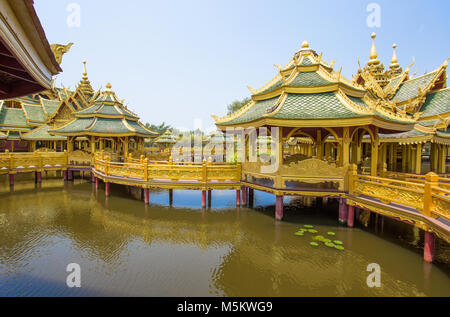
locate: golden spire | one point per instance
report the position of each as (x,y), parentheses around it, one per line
(84,69)
(85,84)
(395,66)
(394,56)
(373,51)
(305,44)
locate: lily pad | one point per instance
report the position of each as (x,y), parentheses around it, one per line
(318,238)
(331,233)
(314,244)
(308,226)
(337,242)
(339,247)
(312,231)
(299,234)
(330,244)
(326,240)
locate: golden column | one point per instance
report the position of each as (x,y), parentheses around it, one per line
(418,159)
(374,154)
(345,152)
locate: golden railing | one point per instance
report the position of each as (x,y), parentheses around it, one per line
(443,180)
(430,196)
(32,161)
(145,170)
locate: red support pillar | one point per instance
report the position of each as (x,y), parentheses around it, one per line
(203,198)
(279,207)
(39,177)
(11,179)
(96,183)
(428,251)
(170,197)
(342,211)
(209,198)
(351,216)
(70,173)
(146,196)
(251,195)
(244,196)
(238,198)
(92,177)
(107,189)
(65,175)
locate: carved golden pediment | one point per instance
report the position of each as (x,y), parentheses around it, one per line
(80,157)
(311,167)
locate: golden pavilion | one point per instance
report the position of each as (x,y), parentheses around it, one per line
(54,120)
(379,117)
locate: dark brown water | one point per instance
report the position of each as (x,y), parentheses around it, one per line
(126,248)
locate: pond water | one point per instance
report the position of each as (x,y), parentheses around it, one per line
(125,248)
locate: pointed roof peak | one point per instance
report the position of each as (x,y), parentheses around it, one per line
(395,66)
(394,55)
(85,84)
(84,68)
(373,51)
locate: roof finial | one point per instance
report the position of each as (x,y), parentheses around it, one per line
(373,51)
(395,67)
(305,44)
(84,68)
(108,86)
(394,55)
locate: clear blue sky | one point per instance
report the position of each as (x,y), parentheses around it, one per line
(181,61)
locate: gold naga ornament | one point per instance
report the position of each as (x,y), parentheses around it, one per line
(59,50)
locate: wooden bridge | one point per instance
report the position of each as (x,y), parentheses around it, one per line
(419,200)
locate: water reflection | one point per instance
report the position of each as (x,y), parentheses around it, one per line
(127,248)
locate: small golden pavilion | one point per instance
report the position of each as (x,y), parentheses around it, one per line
(108,126)
(33,122)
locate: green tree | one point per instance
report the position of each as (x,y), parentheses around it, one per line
(236,105)
(158,128)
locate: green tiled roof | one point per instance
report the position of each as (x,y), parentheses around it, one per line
(12,116)
(108,104)
(255,112)
(29,99)
(436,103)
(314,106)
(6,128)
(443,134)
(139,129)
(35,113)
(306,61)
(50,106)
(106,109)
(408,134)
(14,136)
(166,137)
(393,82)
(41,133)
(276,85)
(103,125)
(308,79)
(428,123)
(77,125)
(358,101)
(409,88)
